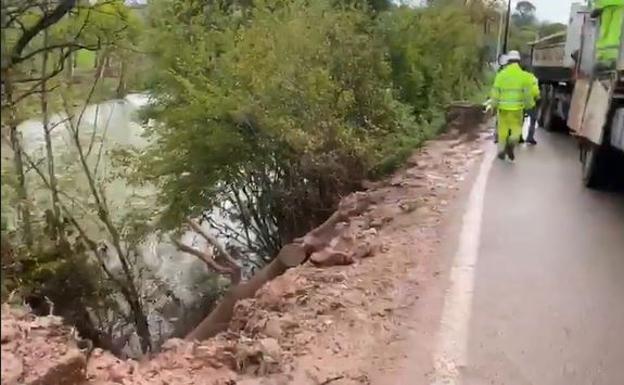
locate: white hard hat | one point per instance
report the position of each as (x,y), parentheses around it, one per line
(502,60)
(513,55)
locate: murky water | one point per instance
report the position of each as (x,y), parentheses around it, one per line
(104,128)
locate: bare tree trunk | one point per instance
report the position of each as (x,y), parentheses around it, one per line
(122,86)
(107,63)
(69,64)
(23,208)
(128,288)
(57,231)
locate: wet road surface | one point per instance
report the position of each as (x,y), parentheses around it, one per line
(548,300)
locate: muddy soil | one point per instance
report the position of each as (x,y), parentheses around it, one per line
(345,317)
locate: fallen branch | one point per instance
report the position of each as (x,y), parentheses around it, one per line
(204,257)
(219,319)
(221,251)
(291,255)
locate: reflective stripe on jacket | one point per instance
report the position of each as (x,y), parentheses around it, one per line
(512,89)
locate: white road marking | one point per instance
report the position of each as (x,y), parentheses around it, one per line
(452,339)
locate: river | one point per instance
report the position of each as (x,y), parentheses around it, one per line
(105,127)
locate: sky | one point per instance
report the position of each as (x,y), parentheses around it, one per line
(552,10)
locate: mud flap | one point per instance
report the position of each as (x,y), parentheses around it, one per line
(596,111)
(577,108)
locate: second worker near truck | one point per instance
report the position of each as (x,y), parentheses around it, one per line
(611,14)
(513,93)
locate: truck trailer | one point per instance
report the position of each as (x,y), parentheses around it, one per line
(586,102)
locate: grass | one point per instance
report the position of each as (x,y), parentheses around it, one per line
(85,59)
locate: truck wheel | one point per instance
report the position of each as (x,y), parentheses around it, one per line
(548,115)
(540,113)
(543,104)
(593,170)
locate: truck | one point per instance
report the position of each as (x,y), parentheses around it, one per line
(589,104)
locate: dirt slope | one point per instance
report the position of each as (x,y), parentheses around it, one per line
(341,318)
(348,324)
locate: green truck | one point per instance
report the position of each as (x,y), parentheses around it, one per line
(589,104)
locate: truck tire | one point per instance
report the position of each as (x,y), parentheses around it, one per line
(548,115)
(540,112)
(592,158)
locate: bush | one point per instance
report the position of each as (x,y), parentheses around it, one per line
(435,55)
(272,112)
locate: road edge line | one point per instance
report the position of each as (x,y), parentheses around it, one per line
(452,339)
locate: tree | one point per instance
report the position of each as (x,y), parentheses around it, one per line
(260,151)
(265,115)
(39,38)
(547,29)
(524,14)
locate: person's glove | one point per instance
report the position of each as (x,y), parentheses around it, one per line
(487,106)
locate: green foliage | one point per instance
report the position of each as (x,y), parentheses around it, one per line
(293,103)
(547,29)
(434,54)
(267,98)
(524,14)
(525,28)
(265,114)
(57,264)
(87,36)
(66,276)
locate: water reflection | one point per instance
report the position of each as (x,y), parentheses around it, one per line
(104,127)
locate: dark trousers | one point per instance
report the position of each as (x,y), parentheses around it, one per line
(532,123)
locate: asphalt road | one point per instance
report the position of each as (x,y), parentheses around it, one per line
(547,303)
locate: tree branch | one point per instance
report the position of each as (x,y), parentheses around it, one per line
(63,7)
(221,251)
(34,89)
(71,46)
(204,257)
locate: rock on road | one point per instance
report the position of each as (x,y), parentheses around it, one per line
(547,298)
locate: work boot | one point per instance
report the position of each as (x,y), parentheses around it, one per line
(510,152)
(531,141)
(501,155)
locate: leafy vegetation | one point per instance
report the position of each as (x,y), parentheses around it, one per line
(263,115)
(275,111)
(54,236)
(526,28)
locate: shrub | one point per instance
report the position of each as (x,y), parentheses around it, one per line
(269,113)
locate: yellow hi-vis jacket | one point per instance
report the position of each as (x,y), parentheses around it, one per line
(535,90)
(512,89)
(600,4)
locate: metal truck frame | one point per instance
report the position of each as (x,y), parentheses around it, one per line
(588,103)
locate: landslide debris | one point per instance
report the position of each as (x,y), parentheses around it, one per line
(331,320)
